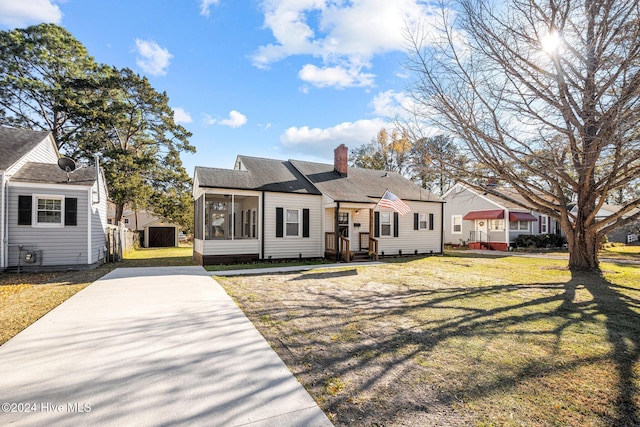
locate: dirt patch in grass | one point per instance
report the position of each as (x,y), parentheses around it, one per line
(459,341)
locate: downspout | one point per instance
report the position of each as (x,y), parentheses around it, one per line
(507,234)
(442,228)
(336,230)
(89,225)
(262,227)
(97,165)
(4,240)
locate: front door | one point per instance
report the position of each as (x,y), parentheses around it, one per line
(343,224)
(482,230)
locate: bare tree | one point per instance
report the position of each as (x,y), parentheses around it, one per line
(546,94)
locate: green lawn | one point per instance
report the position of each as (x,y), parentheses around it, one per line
(155,257)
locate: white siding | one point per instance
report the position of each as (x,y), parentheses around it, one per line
(98,213)
(410,240)
(460,203)
(293,247)
(44,152)
(63,246)
(228,247)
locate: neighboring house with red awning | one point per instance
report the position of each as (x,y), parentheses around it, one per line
(484,220)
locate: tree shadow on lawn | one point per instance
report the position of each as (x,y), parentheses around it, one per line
(378,361)
(623,329)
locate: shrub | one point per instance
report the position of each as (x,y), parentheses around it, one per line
(540,241)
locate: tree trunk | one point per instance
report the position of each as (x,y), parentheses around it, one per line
(119,211)
(583,248)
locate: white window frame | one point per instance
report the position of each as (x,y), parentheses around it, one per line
(544,224)
(423,221)
(383,223)
(453,224)
(286,222)
(34,216)
(496,225)
(518,225)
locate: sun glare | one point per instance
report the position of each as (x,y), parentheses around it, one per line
(551,43)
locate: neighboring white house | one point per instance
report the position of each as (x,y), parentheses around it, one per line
(484,220)
(625,234)
(274,209)
(49,218)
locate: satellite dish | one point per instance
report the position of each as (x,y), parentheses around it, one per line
(67,164)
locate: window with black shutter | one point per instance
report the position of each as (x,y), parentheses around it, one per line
(395,224)
(305,222)
(70,211)
(24,210)
(279,222)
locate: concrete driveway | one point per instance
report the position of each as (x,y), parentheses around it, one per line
(149,347)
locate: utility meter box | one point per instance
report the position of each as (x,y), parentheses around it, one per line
(30,257)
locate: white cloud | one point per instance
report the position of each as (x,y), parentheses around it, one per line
(21,13)
(337,76)
(391,104)
(208,120)
(321,142)
(152,58)
(205,5)
(348,34)
(181,116)
(235,120)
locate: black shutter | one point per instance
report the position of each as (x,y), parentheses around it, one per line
(416,220)
(305,222)
(430,221)
(70,211)
(376,224)
(279,222)
(395,224)
(24,210)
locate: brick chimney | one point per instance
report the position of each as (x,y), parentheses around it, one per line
(340,157)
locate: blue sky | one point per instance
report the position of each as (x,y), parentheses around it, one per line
(284,79)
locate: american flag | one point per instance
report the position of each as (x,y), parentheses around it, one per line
(391,201)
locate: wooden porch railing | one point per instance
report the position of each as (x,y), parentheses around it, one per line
(373,247)
(345,249)
(330,242)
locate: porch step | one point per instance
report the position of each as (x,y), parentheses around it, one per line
(360,256)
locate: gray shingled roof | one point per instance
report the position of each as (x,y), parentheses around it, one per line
(15,143)
(361,185)
(506,197)
(52,174)
(261,174)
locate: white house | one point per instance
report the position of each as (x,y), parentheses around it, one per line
(49,218)
(274,209)
(491,219)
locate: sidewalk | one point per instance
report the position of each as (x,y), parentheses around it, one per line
(149,347)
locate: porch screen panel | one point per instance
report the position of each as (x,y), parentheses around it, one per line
(198,223)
